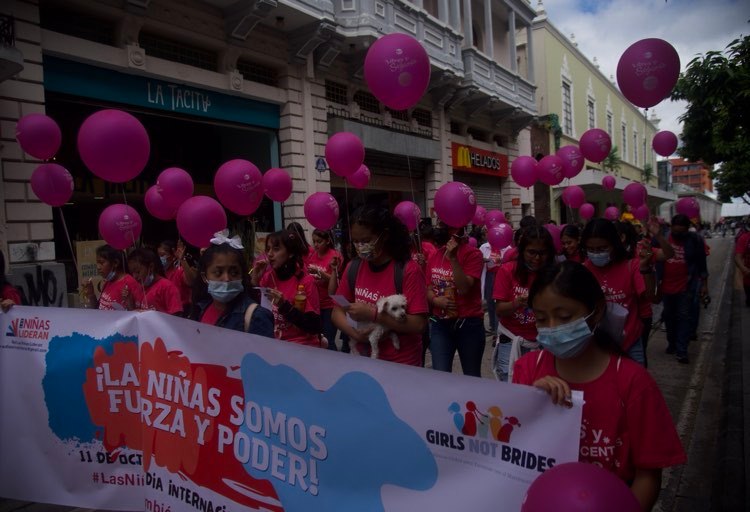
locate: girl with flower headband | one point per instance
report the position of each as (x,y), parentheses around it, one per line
(221,294)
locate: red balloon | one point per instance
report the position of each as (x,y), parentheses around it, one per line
(120,226)
(175,186)
(277,184)
(239,186)
(157,206)
(634,194)
(647,71)
(345,153)
(664,143)
(455,204)
(609,182)
(524,171)
(550,170)
(573,196)
(586,211)
(408,213)
(38,135)
(572,160)
(322,210)
(52,183)
(595,144)
(612,213)
(199,218)
(359,179)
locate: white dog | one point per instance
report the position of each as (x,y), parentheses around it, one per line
(394,306)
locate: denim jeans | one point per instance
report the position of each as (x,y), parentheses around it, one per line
(694,288)
(489,284)
(501,361)
(676,317)
(463,334)
(329,330)
(637,353)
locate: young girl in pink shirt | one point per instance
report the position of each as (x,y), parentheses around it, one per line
(160,293)
(320,263)
(119,291)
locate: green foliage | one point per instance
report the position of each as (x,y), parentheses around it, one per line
(612,162)
(716,125)
(647,173)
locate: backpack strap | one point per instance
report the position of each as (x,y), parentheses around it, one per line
(351,273)
(249,314)
(398,275)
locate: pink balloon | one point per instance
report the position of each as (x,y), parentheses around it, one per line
(595,144)
(175,186)
(634,194)
(157,206)
(688,206)
(586,211)
(52,183)
(120,226)
(397,70)
(344,153)
(199,218)
(455,204)
(579,487)
(554,231)
(524,171)
(550,170)
(647,71)
(573,196)
(322,210)
(612,213)
(642,213)
(572,160)
(238,185)
(472,241)
(114,145)
(277,184)
(500,236)
(361,178)
(408,213)
(495,217)
(38,135)
(609,182)
(479,216)
(664,143)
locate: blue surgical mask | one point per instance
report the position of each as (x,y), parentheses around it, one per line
(149,280)
(224,291)
(567,340)
(110,276)
(164,261)
(599,259)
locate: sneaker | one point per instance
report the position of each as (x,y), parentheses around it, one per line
(670,350)
(683,360)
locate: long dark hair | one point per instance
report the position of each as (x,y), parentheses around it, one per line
(3,280)
(200,287)
(113,256)
(378,219)
(296,228)
(295,248)
(627,231)
(605,229)
(325,235)
(573,231)
(574,281)
(529,235)
(147,257)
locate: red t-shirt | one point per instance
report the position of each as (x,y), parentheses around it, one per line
(111,297)
(211,315)
(439,275)
(510,255)
(283,329)
(622,283)
(675,270)
(9,292)
(370,286)
(522,322)
(162,296)
(626,423)
(576,256)
(323,264)
(177,276)
(743,247)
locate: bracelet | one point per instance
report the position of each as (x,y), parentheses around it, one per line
(375,315)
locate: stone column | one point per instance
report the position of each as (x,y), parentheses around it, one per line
(489,40)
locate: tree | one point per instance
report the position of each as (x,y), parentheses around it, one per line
(716,124)
(612,162)
(647,173)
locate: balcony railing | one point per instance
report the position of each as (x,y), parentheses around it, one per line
(496,81)
(380,121)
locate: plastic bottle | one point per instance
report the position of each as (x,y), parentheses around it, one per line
(300,298)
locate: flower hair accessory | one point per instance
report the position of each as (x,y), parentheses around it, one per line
(222,237)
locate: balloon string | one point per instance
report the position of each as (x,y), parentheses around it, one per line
(67,236)
(132,236)
(413,200)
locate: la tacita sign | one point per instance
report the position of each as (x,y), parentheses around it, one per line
(480,161)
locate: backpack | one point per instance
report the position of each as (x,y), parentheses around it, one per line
(398,275)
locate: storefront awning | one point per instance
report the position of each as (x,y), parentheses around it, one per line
(591,182)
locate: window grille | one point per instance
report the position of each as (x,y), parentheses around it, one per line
(455,128)
(609,124)
(567,110)
(176,51)
(399,115)
(624,152)
(477,134)
(259,73)
(367,102)
(423,117)
(336,93)
(592,116)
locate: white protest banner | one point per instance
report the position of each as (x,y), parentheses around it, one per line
(225,421)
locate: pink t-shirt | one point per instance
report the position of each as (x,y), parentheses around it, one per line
(626,423)
(177,276)
(675,270)
(283,329)
(10,292)
(439,276)
(522,322)
(370,286)
(111,297)
(323,264)
(742,247)
(211,315)
(162,296)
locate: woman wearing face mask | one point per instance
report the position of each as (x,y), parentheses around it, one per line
(453,276)
(382,243)
(221,294)
(159,292)
(296,320)
(628,429)
(517,326)
(119,291)
(624,281)
(178,270)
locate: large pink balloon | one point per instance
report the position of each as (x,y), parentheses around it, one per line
(647,71)
(586,211)
(52,183)
(120,226)
(579,487)
(397,70)
(554,231)
(642,213)
(495,217)
(322,210)
(479,216)
(595,144)
(199,218)
(156,205)
(612,213)
(572,160)
(175,186)
(38,135)
(359,179)
(277,184)
(634,194)
(688,206)
(114,145)
(455,204)
(664,143)
(609,182)
(524,171)
(408,213)
(344,153)
(500,236)
(239,186)
(573,196)
(550,170)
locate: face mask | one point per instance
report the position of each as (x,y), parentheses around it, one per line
(567,340)
(599,259)
(366,250)
(149,279)
(224,291)
(164,261)
(110,276)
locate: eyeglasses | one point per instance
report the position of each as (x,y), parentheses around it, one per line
(531,253)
